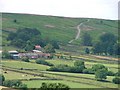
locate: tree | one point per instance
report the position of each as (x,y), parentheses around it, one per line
(105,45)
(101,74)
(86,39)
(55,44)
(29,46)
(79,66)
(20,37)
(87,51)
(2,79)
(116,80)
(97,67)
(49,48)
(79,63)
(54,86)
(14,20)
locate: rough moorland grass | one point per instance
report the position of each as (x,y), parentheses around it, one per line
(59,28)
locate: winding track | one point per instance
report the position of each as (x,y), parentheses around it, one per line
(78,33)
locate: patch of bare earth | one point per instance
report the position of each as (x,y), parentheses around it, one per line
(10,29)
(49,26)
(87,28)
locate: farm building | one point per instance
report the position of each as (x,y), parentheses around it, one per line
(14,54)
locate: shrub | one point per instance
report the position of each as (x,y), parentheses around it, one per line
(101,75)
(25,59)
(14,84)
(76,69)
(79,63)
(97,67)
(117,74)
(44,62)
(54,86)
(116,80)
(60,68)
(2,79)
(6,55)
(88,71)
(110,73)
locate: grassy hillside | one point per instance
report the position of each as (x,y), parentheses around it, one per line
(58,28)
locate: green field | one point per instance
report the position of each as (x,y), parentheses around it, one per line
(37,84)
(74,80)
(20,64)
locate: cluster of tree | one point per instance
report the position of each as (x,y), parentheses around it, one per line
(86,40)
(78,67)
(44,62)
(108,44)
(54,86)
(101,72)
(12,83)
(27,38)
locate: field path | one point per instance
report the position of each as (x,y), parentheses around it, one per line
(78,33)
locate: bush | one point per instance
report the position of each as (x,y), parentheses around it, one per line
(76,69)
(44,62)
(79,63)
(110,73)
(6,55)
(101,75)
(117,74)
(88,71)
(116,80)
(2,79)
(14,84)
(97,67)
(60,68)
(54,86)
(25,59)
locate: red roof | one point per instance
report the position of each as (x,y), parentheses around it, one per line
(38,47)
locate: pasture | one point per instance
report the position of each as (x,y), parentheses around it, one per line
(74,80)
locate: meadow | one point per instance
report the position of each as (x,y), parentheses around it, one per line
(74,80)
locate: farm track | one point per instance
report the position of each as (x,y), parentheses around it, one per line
(78,33)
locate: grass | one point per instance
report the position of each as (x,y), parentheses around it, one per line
(37,84)
(74,80)
(21,64)
(57,28)
(62,30)
(10,75)
(111,67)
